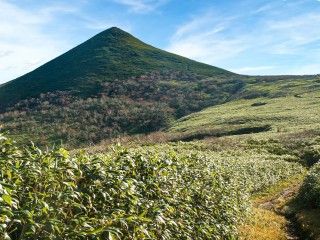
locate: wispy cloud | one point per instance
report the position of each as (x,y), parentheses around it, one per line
(103,24)
(203,39)
(294,33)
(23,44)
(262,36)
(142,6)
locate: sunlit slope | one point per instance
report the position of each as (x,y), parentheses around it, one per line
(284,114)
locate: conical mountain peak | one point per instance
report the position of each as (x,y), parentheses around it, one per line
(114,32)
(109,55)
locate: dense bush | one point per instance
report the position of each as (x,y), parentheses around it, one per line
(149,193)
(311,154)
(310,190)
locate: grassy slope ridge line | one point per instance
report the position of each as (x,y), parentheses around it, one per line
(156,192)
(284,114)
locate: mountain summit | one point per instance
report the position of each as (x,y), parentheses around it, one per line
(111,54)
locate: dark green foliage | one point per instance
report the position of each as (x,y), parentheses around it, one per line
(257,104)
(310,191)
(126,195)
(311,155)
(222,132)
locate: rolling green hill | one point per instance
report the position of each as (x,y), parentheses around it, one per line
(282,106)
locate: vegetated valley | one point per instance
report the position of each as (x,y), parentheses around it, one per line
(116,139)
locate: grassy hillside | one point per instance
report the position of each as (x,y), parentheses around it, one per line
(110,55)
(114,84)
(288,107)
(154,101)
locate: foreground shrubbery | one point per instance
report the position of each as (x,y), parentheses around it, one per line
(128,194)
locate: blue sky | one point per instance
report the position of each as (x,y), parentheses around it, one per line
(244,36)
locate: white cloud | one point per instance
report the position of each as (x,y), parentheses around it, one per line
(142,6)
(263,8)
(203,39)
(294,33)
(23,45)
(307,69)
(103,24)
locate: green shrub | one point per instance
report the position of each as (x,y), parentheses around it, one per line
(310,190)
(125,195)
(144,193)
(258,104)
(311,155)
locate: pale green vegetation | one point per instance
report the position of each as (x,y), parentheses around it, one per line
(289,114)
(161,192)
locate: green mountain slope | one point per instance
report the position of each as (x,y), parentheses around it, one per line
(112,54)
(285,107)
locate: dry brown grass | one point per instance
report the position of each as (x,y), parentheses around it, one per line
(267,221)
(264,225)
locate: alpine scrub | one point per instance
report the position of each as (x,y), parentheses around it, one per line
(310,190)
(143,193)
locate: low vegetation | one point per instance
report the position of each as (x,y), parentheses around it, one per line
(283,115)
(310,191)
(139,105)
(157,192)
